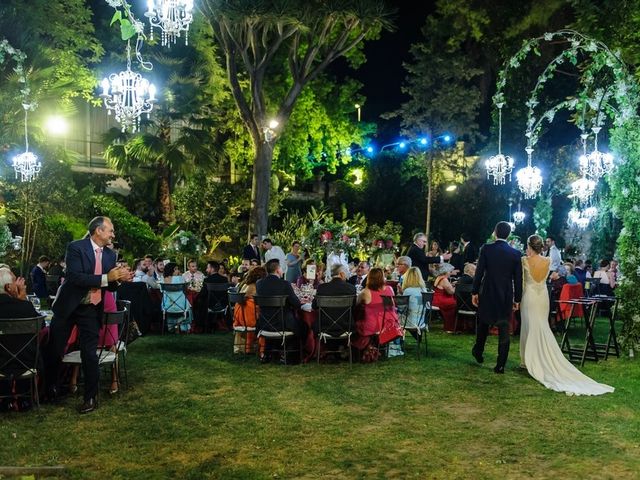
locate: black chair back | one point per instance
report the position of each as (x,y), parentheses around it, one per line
(52,282)
(217,297)
(270,312)
(335,314)
(463,293)
(427,302)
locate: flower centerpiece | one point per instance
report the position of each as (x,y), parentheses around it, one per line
(383,241)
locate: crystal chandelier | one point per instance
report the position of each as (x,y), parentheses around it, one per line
(590,212)
(529,178)
(596,164)
(583,189)
(172,17)
(499,166)
(26,165)
(519,216)
(574,215)
(128,95)
(582,222)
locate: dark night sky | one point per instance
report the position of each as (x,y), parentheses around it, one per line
(383,74)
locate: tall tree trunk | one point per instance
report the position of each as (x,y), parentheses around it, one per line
(260,188)
(164,195)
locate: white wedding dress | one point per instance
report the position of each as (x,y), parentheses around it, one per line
(539,349)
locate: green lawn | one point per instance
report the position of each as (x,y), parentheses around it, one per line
(193,411)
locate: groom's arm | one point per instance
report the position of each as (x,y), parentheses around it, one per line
(517,282)
(477,278)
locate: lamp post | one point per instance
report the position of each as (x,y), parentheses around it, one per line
(357,107)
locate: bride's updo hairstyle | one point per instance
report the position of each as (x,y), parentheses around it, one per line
(535,243)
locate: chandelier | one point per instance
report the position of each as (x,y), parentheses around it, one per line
(128,95)
(529,178)
(582,222)
(596,164)
(519,216)
(26,165)
(583,189)
(172,17)
(499,166)
(590,212)
(574,215)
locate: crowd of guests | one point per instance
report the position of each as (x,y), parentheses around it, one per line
(86,275)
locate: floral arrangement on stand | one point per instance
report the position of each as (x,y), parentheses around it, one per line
(383,243)
(182,244)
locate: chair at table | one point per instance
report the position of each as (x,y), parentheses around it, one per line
(124,336)
(217,302)
(335,321)
(569,292)
(143,308)
(427,311)
(244,337)
(20,356)
(270,318)
(110,345)
(465,310)
(174,304)
(402,307)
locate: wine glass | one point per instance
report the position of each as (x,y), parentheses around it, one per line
(35,301)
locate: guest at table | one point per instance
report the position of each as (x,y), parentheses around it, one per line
(420,259)
(274,284)
(194,279)
(176,302)
(223,271)
(557,279)
(603,273)
(39,278)
(413,286)
(245,315)
(319,277)
(294,259)
(337,286)
(359,280)
(469,271)
(14,304)
(155,274)
(376,319)
(443,296)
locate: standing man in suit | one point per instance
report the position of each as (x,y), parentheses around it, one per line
(497,290)
(39,278)
(91,269)
(419,257)
(251,251)
(469,251)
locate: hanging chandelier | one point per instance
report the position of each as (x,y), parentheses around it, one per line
(596,164)
(128,95)
(590,212)
(499,166)
(172,17)
(574,215)
(582,222)
(529,178)
(583,189)
(519,216)
(26,165)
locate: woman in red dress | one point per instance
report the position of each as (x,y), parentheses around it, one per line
(443,296)
(375,318)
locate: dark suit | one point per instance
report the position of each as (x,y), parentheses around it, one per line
(39,282)
(470,254)
(335,287)
(419,259)
(15,308)
(498,281)
(353,280)
(273,285)
(251,252)
(69,309)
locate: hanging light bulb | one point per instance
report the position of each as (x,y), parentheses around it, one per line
(128,95)
(529,178)
(26,165)
(499,166)
(519,216)
(596,164)
(172,17)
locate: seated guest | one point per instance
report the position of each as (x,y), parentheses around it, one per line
(376,319)
(39,278)
(403,264)
(303,280)
(155,274)
(14,304)
(469,272)
(245,315)
(557,279)
(413,285)
(580,272)
(274,284)
(360,278)
(213,273)
(606,285)
(139,272)
(223,271)
(254,262)
(337,286)
(193,277)
(243,268)
(443,296)
(175,302)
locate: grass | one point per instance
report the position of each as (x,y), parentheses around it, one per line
(195,412)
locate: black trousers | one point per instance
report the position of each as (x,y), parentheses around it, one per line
(88,319)
(503,340)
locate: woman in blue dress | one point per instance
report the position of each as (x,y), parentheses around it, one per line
(175,304)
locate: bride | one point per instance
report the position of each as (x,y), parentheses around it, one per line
(539,350)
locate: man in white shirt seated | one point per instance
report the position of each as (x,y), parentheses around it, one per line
(553,253)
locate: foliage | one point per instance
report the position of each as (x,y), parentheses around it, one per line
(211,209)
(58,229)
(181,245)
(625,202)
(542,213)
(5,236)
(132,233)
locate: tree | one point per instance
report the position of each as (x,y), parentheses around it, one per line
(252,35)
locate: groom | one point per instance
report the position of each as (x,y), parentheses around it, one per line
(497,290)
